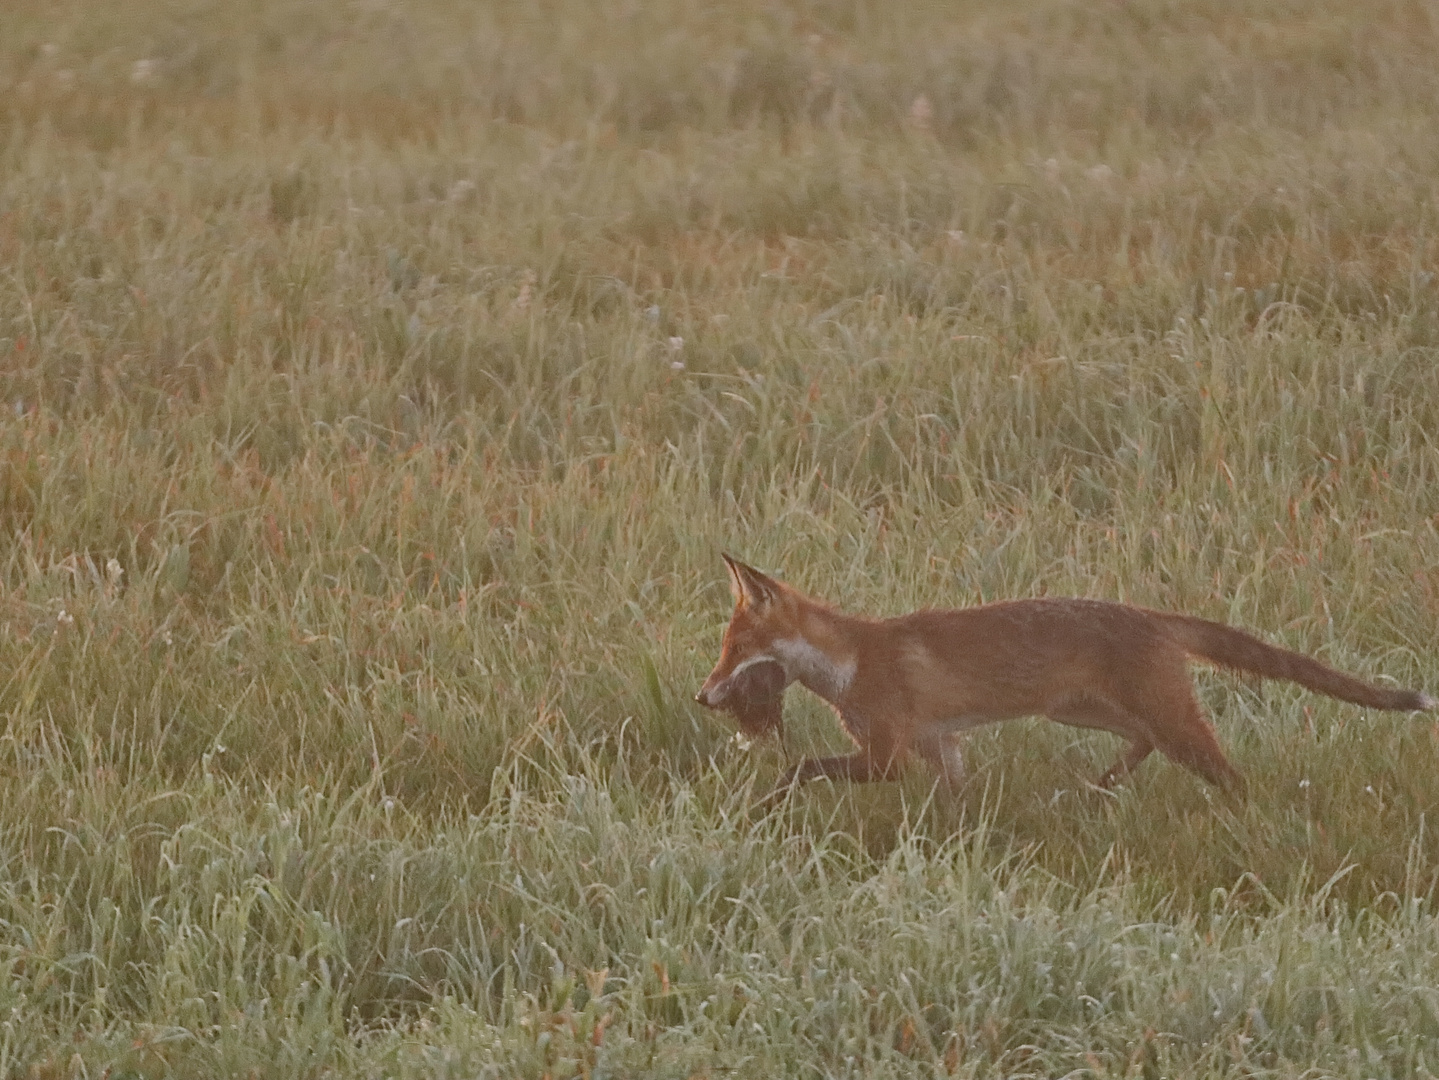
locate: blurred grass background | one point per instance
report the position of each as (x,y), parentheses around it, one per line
(381,382)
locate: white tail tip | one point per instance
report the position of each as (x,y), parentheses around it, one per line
(1426,702)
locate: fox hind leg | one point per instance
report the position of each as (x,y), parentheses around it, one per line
(1126,763)
(1161,713)
(1178,728)
(1175,724)
(1192,743)
(1093,711)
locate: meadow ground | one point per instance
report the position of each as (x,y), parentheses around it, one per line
(381,382)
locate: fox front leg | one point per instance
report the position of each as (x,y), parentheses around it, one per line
(862,767)
(843,766)
(945,756)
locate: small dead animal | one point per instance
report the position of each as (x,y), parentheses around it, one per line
(755,698)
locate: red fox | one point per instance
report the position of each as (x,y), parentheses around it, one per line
(915,683)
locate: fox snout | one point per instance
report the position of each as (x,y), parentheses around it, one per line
(715,691)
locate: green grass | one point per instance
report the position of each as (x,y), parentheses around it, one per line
(381,382)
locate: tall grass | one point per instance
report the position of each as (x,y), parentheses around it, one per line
(382,381)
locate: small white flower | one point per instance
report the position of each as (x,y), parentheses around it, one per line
(1369,788)
(677,365)
(65,618)
(675,344)
(388,804)
(1303,784)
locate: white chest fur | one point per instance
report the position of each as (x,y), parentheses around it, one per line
(813,667)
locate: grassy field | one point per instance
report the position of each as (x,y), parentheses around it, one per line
(381,382)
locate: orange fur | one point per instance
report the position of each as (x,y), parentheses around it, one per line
(915,683)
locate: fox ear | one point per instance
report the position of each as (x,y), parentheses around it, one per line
(748,585)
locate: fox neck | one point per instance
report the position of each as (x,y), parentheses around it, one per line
(820,653)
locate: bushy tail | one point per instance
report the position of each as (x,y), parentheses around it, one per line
(1231,648)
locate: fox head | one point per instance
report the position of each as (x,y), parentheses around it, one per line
(749,678)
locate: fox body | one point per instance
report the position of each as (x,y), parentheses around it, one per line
(914,684)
